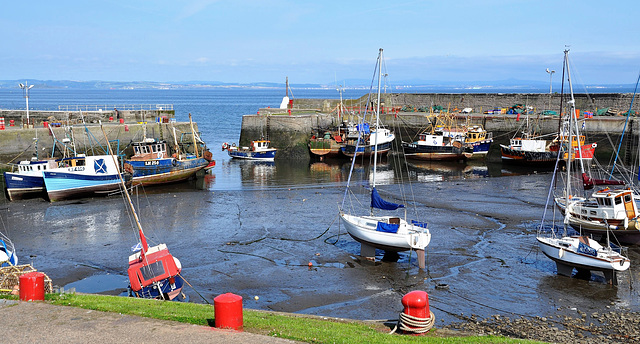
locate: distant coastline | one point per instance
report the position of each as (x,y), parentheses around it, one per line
(502,86)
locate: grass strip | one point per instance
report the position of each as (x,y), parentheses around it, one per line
(295,327)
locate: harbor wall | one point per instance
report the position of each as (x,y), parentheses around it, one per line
(479,102)
(19,143)
(38,117)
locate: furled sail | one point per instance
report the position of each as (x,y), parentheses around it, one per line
(378,202)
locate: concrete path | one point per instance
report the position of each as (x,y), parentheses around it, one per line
(38,322)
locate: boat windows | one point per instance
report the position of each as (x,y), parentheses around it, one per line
(606,201)
(618,200)
(593,212)
(152,270)
(627,198)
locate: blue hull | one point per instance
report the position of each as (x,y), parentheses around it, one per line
(166,291)
(350,150)
(251,155)
(20,186)
(481,147)
(61,185)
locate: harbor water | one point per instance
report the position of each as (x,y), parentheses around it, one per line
(270,231)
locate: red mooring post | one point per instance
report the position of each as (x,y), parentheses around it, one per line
(32,286)
(416,306)
(228,311)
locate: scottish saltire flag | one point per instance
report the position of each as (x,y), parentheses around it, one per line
(136,248)
(100,166)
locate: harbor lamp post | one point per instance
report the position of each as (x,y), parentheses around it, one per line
(25,87)
(550,78)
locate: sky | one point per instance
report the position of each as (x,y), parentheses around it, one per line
(322,41)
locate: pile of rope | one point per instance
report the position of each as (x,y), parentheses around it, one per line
(410,324)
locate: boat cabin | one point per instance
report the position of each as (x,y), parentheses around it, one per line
(34,167)
(611,205)
(156,265)
(260,145)
(149,149)
(528,145)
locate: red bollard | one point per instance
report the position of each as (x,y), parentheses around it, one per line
(121,120)
(416,309)
(32,286)
(228,311)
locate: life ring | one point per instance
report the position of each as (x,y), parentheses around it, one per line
(225,146)
(594,145)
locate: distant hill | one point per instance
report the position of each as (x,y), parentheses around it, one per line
(511,85)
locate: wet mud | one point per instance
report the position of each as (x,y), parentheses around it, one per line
(271,234)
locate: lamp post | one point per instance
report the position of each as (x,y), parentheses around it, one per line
(25,87)
(550,78)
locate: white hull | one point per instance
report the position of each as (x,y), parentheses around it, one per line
(363,230)
(565,251)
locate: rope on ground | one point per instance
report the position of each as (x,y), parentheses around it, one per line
(194,289)
(409,323)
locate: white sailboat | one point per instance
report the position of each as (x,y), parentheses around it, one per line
(579,252)
(386,232)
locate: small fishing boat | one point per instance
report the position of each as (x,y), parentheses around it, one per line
(26,179)
(387,232)
(441,145)
(366,141)
(328,145)
(480,140)
(259,150)
(151,163)
(81,175)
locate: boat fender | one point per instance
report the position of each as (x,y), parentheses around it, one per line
(561,253)
(159,155)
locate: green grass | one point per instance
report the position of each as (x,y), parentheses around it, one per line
(299,328)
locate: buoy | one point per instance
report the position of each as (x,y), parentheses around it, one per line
(228,311)
(32,286)
(310,264)
(416,317)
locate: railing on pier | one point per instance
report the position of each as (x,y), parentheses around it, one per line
(120,107)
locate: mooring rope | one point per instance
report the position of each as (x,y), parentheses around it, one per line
(194,289)
(409,323)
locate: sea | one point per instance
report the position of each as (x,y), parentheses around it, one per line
(269,232)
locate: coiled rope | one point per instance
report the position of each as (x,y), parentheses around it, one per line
(418,325)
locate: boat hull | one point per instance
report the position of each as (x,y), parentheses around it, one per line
(61,186)
(514,156)
(363,230)
(21,186)
(163,171)
(562,255)
(325,148)
(266,155)
(436,153)
(351,151)
(161,290)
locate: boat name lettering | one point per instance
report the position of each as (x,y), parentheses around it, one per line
(77,168)
(149,163)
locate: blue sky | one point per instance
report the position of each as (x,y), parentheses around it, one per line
(318,41)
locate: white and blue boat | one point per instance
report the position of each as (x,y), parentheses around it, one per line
(82,176)
(480,140)
(26,179)
(259,150)
(8,255)
(367,141)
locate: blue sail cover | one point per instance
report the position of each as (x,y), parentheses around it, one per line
(378,202)
(582,248)
(364,128)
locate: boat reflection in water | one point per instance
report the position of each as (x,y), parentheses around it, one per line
(435,171)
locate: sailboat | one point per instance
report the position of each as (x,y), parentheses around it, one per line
(386,232)
(153,272)
(578,251)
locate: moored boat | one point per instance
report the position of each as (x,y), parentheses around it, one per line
(26,179)
(258,150)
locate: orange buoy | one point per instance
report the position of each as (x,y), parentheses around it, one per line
(32,286)
(228,311)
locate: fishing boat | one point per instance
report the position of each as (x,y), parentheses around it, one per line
(8,255)
(327,145)
(26,179)
(390,233)
(442,142)
(366,141)
(258,150)
(82,175)
(579,252)
(153,272)
(481,140)
(151,163)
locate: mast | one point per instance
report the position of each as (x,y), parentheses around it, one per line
(143,239)
(573,118)
(195,143)
(375,149)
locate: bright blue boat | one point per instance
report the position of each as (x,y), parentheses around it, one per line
(259,150)
(82,176)
(7,252)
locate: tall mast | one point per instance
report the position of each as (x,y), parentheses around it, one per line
(375,149)
(193,133)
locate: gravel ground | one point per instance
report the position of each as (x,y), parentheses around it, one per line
(605,327)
